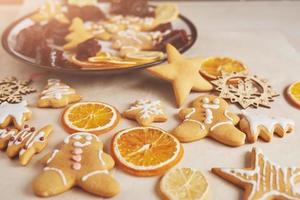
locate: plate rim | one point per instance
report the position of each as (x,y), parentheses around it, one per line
(9,28)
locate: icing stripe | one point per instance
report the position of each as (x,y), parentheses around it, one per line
(220,124)
(52,156)
(58,171)
(84,178)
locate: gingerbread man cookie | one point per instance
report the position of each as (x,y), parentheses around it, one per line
(264,126)
(209,117)
(57,95)
(264,179)
(14,113)
(145,112)
(25,142)
(80,161)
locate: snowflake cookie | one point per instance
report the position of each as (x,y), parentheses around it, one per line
(247,90)
(12,90)
(264,179)
(146,111)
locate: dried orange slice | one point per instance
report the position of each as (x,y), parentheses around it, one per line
(145,56)
(184,184)
(166,13)
(92,117)
(212,67)
(294,93)
(146,151)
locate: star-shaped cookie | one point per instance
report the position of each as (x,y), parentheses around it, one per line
(146,112)
(183,73)
(264,179)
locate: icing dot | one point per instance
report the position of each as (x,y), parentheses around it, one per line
(216,101)
(76,158)
(76,166)
(89,138)
(77,151)
(76,137)
(205,100)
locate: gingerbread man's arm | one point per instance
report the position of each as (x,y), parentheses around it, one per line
(183,113)
(235,118)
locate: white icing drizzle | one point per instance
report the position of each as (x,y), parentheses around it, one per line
(16,111)
(58,171)
(77,136)
(208,109)
(147,108)
(35,138)
(100,154)
(81,145)
(220,124)
(268,122)
(188,116)
(52,156)
(19,137)
(56,90)
(84,178)
(5,133)
(193,120)
(258,177)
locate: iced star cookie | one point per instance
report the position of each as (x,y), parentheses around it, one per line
(184,184)
(263,179)
(146,151)
(24,143)
(209,117)
(182,73)
(146,112)
(15,114)
(57,94)
(81,162)
(264,126)
(92,117)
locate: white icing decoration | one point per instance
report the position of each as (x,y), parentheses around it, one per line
(4,133)
(19,137)
(56,90)
(208,112)
(257,176)
(147,108)
(100,154)
(60,172)
(84,178)
(220,124)
(16,111)
(34,138)
(209,116)
(52,156)
(188,116)
(77,135)
(81,145)
(268,122)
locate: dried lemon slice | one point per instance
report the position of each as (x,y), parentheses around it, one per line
(294,93)
(214,66)
(92,117)
(144,56)
(146,151)
(184,184)
(166,13)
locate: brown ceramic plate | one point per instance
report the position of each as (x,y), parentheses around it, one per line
(9,35)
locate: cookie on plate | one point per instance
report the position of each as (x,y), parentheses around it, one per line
(81,162)
(209,116)
(57,94)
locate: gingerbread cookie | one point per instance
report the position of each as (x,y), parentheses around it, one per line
(209,117)
(12,90)
(24,143)
(15,114)
(57,95)
(264,126)
(146,112)
(264,179)
(80,161)
(79,33)
(182,73)
(49,11)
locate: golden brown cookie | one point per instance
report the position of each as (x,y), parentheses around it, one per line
(15,114)
(209,117)
(263,179)
(256,125)
(57,94)
(81,162)
(182,73)
(24,143)
(79,34)
(145,112)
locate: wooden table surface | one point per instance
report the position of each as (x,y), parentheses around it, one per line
(264,35)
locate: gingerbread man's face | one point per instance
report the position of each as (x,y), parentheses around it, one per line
(81,140)
(210,102)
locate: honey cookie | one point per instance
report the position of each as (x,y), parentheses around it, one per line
(146,112)
(15,114)
(25,143)
(81,162)
(182,73)
(209,117)
(264,126)
(146,151)
(184,184)
(264,179)
(57,94)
